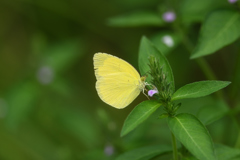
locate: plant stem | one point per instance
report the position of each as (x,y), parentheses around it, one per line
(174,144)
(206,69)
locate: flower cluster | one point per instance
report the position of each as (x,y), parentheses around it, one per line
(159,84)
(160,88)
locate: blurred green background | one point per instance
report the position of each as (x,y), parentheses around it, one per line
(49,108)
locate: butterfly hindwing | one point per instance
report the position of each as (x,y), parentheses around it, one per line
(118,89)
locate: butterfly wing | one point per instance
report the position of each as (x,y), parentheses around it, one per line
(118,83)
(105,64)
(118,89)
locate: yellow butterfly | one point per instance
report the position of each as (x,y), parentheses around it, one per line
(118,82)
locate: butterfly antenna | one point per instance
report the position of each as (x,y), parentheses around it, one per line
(146,74)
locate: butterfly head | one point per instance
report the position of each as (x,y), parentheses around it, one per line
(143,78)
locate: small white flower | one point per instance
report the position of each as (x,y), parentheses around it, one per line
(45,75)
(168,41)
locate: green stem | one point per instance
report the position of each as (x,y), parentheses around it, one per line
(201,62)
(174,144)
(234,88)
(206,69)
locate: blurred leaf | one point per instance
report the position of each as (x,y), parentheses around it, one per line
(136,3)
(20,101)
(226,153)
(225,130)
(137,19)
(165,41)
(193,135)
(199,89)
(144,152)
(62,55)
(208,114)
(146,50)
(139,114)
(195,10)
(60,86)
(41,145)
(38,43)
(189,158)
(96,154)
(11,148)
(218,30)
(81,125)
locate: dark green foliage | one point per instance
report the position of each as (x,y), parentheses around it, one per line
(49,107)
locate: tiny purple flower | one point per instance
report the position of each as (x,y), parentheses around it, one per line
(169,16)
(232,1)
(152,92)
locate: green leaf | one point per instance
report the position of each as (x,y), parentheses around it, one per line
(80,125)
(165,41)
(199,89)
(219,29)
(189,158)
(61,56)
(136,19)
(21,100)
(139,114)
(195,10)
(226,153)
(193,135)
(207,114)
(146,50)
(144,152)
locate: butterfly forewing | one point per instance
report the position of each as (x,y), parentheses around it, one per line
(105,64)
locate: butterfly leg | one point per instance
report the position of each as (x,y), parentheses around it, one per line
(145,94)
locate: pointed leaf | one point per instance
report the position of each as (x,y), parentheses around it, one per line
(195,10)
(219,29)
(141,153)
(226,153)
(199,89)
(135,19)
(193,135)
(207,114)
(139,114)
(146,50)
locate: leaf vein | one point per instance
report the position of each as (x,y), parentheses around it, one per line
(191,137)
(133,124)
